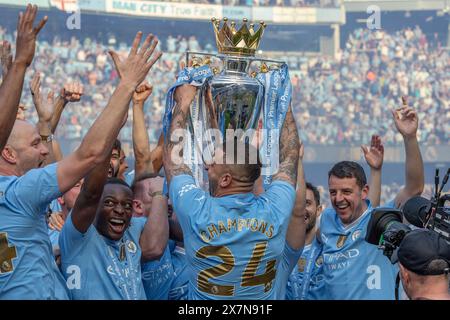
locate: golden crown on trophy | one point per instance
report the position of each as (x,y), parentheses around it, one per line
(244,42)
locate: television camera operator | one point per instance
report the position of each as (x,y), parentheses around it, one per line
(422,248)
(424,262)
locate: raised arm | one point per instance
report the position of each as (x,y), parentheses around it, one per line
(141,142)
(374,157)
(11,87)
(173,145)
(85,208)
(407,122)
(157,154)
(296,233)
(97,144)
(155,235)
(5,58)
(44,110)
(71,92)
(289,151)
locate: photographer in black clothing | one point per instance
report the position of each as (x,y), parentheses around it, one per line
(424,261)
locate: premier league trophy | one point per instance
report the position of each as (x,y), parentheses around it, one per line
(234,96)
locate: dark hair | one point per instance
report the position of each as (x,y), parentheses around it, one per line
(117,145)
(315,192)
(437,266)
(142,177)
(114,180)
(349,169)
(252,170)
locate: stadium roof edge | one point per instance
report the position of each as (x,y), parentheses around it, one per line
(396,5)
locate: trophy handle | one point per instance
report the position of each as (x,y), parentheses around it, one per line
(273,64)
(192,55)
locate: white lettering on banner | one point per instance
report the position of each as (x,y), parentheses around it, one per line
(66,5)
(124,5)
(74,277)
(166,10)
(155,9)
(238,12)
(374,280)
(294,15)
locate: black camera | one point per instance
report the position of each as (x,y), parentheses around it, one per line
(387,230)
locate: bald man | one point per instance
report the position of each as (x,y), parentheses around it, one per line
(27,266)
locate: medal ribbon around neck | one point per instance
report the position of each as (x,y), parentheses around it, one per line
(119,275)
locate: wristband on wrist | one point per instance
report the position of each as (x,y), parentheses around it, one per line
(47,139)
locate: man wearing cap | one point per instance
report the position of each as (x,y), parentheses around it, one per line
(424,260)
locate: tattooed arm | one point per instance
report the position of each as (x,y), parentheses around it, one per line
(173,144)
(296,234)
(289,151)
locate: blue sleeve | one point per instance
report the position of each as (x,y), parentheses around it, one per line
(281,196)
(35,190)
(55,206)
(138,225)
(187,199)
(290,258)
(70,239)
(288,261)
(54,238)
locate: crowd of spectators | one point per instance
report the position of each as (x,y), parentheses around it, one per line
(346,99)
(340,100)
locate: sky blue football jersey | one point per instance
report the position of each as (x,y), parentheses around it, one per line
(180,282)
(234,244)
(54,239)
(27,267)
(54,234)
(129,177)
(306,281)
(55,206)
(354,268)
(92,267)
(157,276)
(287,264)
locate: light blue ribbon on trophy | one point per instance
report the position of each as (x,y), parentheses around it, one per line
(196,77)
(278,92)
